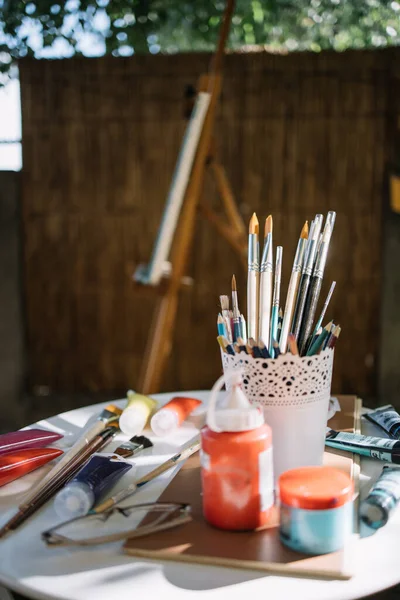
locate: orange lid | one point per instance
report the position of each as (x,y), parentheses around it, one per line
(315,488)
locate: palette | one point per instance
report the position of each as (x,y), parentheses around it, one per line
(199,543)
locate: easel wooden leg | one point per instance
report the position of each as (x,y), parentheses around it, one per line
(225,191)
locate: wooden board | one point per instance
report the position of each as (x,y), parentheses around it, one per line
(198,542)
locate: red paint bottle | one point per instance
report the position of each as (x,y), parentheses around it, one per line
(236,461)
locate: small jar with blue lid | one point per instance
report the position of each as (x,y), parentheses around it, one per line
(316,509)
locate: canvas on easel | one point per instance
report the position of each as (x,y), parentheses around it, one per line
(176,231)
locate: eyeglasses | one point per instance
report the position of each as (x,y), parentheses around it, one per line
(118,523)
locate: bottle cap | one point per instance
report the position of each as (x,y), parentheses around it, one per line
(75,500)
(236,413)
(315,488)
(164,422)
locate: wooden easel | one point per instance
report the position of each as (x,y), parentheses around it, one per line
(234,232)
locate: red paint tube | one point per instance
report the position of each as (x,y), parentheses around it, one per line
(28,438)
(172,415)
(14,466)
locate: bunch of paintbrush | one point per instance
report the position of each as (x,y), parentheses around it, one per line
(271,331)
(35,501)
(92,440)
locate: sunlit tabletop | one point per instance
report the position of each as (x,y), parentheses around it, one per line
(28,566)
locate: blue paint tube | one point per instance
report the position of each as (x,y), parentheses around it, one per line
(366,445)
(387,418)
(97,476)
(383,498)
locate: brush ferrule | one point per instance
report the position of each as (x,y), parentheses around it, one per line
(299,256)
(266,260)
(321,260)
(254,258)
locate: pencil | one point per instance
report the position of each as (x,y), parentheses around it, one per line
(292,344)
(333,340)
(255,349)
(314,289)
(242,345)
(263,349)
(266,269)
(319,342)
(330,336)
(276,299)
(308,267)
(293,287)
(221,325)
(225,345)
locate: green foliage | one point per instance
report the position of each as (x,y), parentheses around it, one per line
(124,27)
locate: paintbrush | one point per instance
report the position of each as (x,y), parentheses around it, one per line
(324,308)
(180,456)
(276,299)
(314,289)
(308,267)
(110,414)
(266,269)
(293,287)
(29,507)
(253,266)
(237,329)
(243,328)
(133,446)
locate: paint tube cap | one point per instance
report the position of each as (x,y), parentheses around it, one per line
(315,488)
(235,413)
(74,500)
(164,422)
(133,420)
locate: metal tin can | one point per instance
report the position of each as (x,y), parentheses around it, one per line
(316,509)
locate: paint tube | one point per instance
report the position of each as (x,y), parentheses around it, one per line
(172,415)
(27,438)
(387,418)
(375,447)
(97,476)
(13,466)
(383,498)
(138,411)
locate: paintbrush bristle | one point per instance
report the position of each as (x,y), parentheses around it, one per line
(220,319)
(268,225)
(224,300)
(141,440)
(304,231)
(254,225)
(234,284)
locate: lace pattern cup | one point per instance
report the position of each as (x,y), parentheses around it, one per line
(295,393)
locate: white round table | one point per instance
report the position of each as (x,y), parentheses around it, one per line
(29,567)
